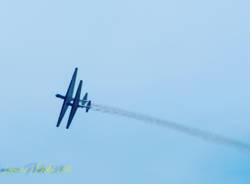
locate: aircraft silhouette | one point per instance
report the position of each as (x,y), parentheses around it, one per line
(74,103)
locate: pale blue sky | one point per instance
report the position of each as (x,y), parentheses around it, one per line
(186,61)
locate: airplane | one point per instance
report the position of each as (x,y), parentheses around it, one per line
(74,103)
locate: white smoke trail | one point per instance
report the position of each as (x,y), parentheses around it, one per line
(202,134)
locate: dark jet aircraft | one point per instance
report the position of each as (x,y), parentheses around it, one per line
(74,103)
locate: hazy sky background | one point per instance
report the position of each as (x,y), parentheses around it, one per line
(186,61)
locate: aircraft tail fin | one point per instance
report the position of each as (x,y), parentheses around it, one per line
(88,106)
(85,99)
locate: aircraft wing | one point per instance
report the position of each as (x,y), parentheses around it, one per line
(67,98)
(75,105)
(70,90)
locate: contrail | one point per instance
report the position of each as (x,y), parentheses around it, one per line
(202,134)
